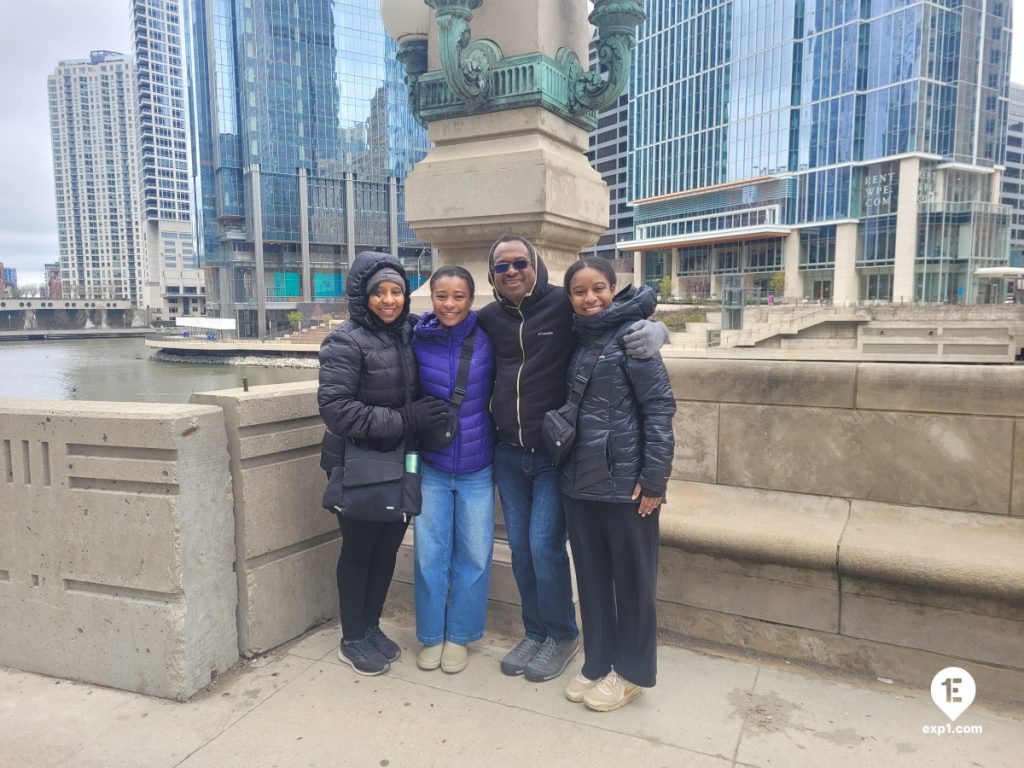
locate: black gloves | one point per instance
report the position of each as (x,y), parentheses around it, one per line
(424,413)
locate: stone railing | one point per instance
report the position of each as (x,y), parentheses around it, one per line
(117,545)
(287,544)
(865,516)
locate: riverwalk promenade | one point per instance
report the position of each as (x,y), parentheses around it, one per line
(298,706)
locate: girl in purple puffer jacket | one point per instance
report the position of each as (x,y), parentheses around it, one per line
(455,532)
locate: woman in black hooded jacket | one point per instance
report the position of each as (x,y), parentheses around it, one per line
(612,487)
(369,391)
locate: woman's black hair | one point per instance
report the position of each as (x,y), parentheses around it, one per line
(452,270)
(594,262)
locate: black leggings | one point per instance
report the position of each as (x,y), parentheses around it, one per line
(365,568)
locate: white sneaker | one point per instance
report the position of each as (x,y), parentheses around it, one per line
(611,693)
(578,686)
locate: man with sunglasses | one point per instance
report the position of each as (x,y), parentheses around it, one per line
(531,327)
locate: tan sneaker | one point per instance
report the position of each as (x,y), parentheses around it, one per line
(429,657)
(611,693)
(454,657)
(578,686)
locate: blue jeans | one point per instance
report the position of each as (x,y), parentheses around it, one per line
(531,502)
(454,537)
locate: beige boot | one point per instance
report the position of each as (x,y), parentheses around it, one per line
(454,657)
(429,657)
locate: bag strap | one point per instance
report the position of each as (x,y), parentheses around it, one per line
(462,378)
(407,381)
(586,367)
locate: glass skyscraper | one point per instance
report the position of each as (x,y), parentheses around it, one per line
(856,146)
(303,140)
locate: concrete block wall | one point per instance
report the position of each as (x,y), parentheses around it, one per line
(860,515)
(931,435)
(287,544)
(117,546)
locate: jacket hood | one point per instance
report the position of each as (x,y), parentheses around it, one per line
(429,328)
(539,288)
(365,264)
(630,304)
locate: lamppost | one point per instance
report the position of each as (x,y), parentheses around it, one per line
(509,115)
(476,77)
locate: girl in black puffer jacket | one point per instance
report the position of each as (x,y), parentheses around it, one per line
(368,374)
(613,485)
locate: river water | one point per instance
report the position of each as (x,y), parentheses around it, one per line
(120,370)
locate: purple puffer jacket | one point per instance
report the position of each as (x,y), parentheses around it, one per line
(438,350)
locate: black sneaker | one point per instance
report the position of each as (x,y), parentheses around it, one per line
(363,656)
(388,648)
(551,659)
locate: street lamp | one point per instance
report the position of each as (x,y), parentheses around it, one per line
(476,77)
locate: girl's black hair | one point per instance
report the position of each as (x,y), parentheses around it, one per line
(594,262)
(452,270)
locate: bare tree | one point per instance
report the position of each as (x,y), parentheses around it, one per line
(28,291)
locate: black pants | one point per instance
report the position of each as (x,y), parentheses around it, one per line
(365,568)
(615,554)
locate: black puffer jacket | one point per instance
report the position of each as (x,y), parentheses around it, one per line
(532,346)
(624,430)
(365,366)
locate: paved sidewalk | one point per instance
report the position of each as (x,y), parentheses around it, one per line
(299,706)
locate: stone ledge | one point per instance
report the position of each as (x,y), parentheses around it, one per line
(774,527)
(959,553)
(919,579)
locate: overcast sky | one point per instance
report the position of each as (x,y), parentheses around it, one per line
(36,35)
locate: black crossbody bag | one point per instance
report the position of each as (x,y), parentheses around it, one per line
(375,486)
(559,427)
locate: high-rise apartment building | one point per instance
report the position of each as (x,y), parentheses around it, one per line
(856,147)
(174,280)
(303,139)
(95,168)
(1013,176)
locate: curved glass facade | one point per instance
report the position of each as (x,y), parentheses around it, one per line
(304,139)
(849,102)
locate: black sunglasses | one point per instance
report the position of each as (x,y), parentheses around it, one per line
(503,267)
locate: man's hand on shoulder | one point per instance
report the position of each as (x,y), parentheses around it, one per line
(645,339)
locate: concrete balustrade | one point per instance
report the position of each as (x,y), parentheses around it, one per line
(287,544)
(117,544)
(865,516)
